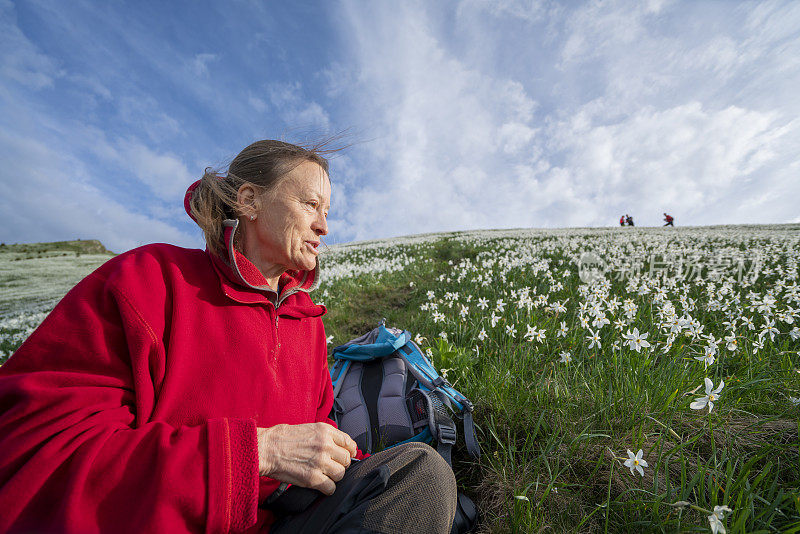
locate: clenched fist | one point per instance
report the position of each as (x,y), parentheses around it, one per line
(311,455)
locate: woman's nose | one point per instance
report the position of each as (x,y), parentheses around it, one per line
(320,225)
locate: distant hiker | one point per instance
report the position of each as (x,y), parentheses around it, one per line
(622,220)
(629,220)
(669,220)
(180,390)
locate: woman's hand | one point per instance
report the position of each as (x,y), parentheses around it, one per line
(311,455)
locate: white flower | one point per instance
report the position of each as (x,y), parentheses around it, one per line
(464,311)
(715,519)
(636,340)
(482,335)
(511,330)
(769,328)
(430,295)
(411,284)
(418,339)
(443,335)
(635,461)
(732,343)
(710,397)
(329,339)
(600,321)
(501,306)
(594,338)
(483,303)
(438,317)
(566,357)
(794,333)
(493,319)
(562,330)
(531,333)
(708,358)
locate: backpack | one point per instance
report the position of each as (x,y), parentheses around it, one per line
(386,392)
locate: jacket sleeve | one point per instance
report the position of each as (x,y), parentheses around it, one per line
(78,454)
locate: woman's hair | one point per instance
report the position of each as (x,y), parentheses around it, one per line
(262,164)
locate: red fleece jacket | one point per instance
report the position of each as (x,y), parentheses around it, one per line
(134,406)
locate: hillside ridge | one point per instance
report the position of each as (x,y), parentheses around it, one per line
(78,246)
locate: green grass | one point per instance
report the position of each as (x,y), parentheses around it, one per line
(554,435)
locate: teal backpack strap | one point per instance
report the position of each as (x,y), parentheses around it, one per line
(337,374)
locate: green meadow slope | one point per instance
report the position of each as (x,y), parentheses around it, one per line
(580,348)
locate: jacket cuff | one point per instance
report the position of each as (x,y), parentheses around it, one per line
(232,475)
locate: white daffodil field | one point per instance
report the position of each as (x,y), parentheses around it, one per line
(625,379)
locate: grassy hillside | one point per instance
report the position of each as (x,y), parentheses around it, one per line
(34,277)
(561,394)
(574,359)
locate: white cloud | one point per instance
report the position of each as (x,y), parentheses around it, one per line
(200,63)
(20,59)
(637,119)
(164,173)
(295,110)
(48,197)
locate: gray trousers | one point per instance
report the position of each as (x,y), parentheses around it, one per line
(406,489)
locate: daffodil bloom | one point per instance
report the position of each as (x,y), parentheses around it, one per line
(707,358)
(794,333)
(711,396)
(732,343)
(769,329)
(636,340)
(594,338)
(566,357)
(501,306)
(715,519)
(483,303)
(531,333)
(482,334)
(635,461)
(600,320)
(562,330)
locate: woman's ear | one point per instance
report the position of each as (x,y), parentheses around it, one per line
(247,199)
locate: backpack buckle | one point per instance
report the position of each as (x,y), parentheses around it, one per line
(447,433)
(439,382)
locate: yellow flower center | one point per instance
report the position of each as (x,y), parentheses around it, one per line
(636,462)
(711,397)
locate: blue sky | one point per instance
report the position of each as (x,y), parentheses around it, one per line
(461,115)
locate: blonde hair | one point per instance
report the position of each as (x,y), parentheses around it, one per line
(262,164)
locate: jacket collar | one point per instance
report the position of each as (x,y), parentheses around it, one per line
(242,281)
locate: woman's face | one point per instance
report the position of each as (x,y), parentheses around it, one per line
(289,221)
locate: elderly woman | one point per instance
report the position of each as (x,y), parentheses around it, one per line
(177,390)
